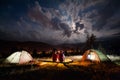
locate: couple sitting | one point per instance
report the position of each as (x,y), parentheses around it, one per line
(58,56)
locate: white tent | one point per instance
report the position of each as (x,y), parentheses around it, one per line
(19,57)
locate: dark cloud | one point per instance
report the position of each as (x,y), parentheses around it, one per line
(78,26)
(66,29)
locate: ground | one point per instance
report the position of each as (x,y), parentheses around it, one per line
(45,69)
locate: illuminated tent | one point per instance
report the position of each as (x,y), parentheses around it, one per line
(94,56)
(19,57)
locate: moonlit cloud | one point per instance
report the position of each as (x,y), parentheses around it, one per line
(70,22)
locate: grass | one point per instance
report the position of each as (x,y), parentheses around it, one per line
(59,71)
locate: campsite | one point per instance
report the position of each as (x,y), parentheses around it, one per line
(41,61)
(93,65)
(59,39)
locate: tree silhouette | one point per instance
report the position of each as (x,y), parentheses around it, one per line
(89,43)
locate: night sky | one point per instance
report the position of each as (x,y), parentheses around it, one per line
(59,21)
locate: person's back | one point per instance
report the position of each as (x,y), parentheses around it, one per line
(54,56)
(61,56)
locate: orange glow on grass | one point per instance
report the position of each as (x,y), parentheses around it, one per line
(49,63)
(52,65)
